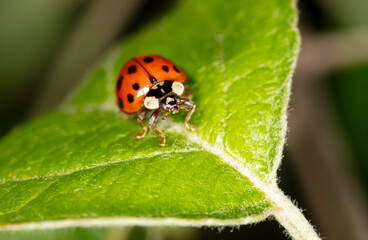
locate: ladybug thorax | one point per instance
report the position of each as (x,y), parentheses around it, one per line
(164,95)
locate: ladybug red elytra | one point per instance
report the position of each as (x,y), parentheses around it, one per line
(156,84)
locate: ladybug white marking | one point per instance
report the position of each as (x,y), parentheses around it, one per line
(151,103)
(178,88)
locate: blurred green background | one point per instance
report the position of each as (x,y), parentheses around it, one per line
(47,46)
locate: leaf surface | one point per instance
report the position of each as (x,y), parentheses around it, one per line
(81,162)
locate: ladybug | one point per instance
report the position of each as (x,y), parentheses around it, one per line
(156,84)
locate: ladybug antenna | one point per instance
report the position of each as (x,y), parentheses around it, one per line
(153,80)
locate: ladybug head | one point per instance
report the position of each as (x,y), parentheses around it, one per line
(170,103)
(164,95)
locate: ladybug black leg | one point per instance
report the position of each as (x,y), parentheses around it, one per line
(141,116)
(152,123)
(188,105)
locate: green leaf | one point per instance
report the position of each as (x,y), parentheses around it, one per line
(82,163)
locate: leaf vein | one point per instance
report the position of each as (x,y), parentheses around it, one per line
(64,173)
(25,203)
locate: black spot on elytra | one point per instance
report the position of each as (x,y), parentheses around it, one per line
(176,69)
(147,59)
(136,86)
(165,68)
(132,69)
(118,85)
(130,98)
(121,103)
